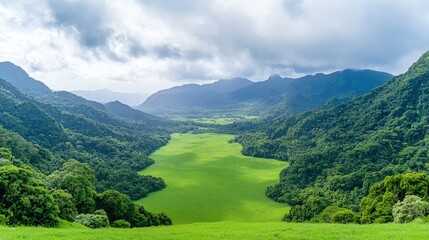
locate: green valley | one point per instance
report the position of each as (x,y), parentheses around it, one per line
(208,179)
(273,119)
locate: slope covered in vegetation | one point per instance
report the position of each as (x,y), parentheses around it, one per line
(65,126)
(336,154)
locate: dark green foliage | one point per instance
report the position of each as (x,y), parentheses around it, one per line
(410,208)
(143,218)
(344,216)
(24,198)
(96,220)
(315,203)
(117,205)
(326,216)
(78,179)
(121,223)
(65,204)
(377,206)
(345,149)
(5,154)
(134,185)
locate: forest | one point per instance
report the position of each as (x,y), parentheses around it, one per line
(338,155)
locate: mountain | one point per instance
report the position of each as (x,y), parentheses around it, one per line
(71,127)
(313,91)
(124,111)
(66,107)
(20,79)
(336,154)
(106,95)
(191,96)
(274,96)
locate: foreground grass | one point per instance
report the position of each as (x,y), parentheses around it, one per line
(208,179)
(229,230)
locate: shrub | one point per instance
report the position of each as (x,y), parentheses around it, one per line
(377,206)
(96,220)
(344,216)
(411,208)
(3,219)
(335,214)
(121,223)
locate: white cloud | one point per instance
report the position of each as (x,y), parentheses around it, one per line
(143,45)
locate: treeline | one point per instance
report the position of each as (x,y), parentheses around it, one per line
(400,198)
(28,197)
(336,154)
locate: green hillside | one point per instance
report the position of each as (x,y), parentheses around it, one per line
(209,180)
(337,154)
(68,126)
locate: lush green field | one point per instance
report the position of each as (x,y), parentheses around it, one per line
(208,179)
(229,230)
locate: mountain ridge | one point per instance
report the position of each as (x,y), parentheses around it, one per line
(255,97)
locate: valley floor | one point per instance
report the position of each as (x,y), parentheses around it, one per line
(209,180)
(229,230)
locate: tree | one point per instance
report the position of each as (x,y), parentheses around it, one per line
(411,208)
(25,199)
(117,205)
(65,204)
(78,179)
(121,223)
(377,206)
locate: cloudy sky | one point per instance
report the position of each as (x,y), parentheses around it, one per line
(147,45)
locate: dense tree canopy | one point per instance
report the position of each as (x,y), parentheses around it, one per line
(78,179)
(25,199)
(378,204)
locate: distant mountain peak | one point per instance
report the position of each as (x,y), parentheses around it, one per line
(275,76)
(20,79)
(13,69)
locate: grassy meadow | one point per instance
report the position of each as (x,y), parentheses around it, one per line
(227,230)
(209,180)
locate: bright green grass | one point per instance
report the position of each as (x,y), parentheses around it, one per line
(229,230)
(208,179)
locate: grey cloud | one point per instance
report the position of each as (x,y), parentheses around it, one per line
(177,7)
(136,49)
(295,8)
(205,40)
(166,51)
(87,17)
